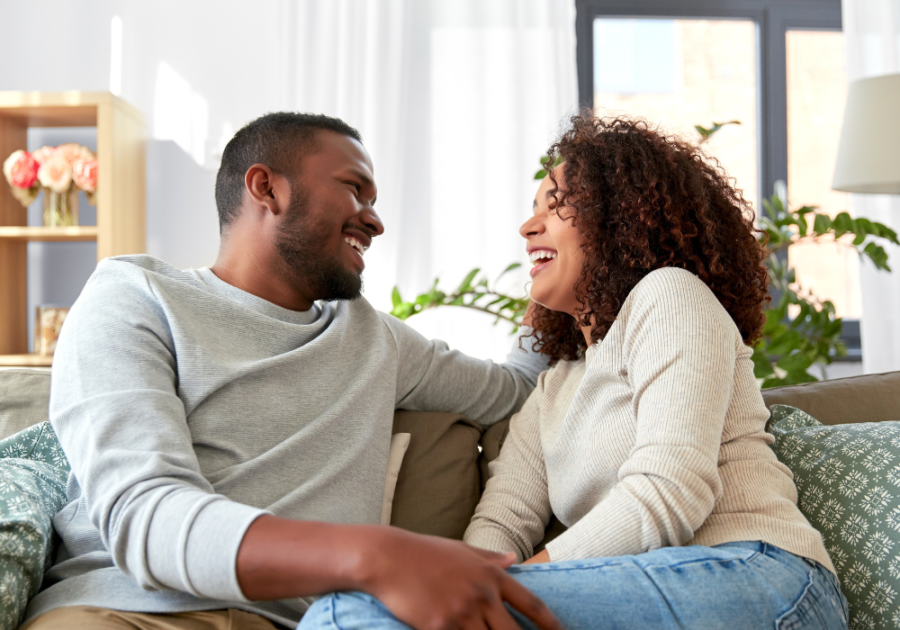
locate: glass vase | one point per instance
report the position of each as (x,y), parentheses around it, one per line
(60,209)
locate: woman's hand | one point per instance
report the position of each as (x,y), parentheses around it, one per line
(540,558)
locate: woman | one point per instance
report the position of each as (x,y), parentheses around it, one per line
(647,436)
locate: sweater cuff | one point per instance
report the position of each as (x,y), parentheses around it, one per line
(198,553)
(212,549)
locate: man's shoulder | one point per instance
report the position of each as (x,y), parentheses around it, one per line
(138,273)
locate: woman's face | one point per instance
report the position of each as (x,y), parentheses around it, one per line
(554,246)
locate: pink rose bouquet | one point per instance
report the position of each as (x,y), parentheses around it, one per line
(55,169)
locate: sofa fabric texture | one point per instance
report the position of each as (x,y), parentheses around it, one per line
(868,398)
(24,399)
(848,483)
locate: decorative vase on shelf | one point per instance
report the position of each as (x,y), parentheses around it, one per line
(60,209)
(60,172)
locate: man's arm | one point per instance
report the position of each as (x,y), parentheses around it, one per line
(115,408)
(432,377)
(427,582)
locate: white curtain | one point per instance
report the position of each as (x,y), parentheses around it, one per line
(872,32)
(456,101)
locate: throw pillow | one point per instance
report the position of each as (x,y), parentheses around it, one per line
(848,484)
(439,484)
(33,474)
(399,444)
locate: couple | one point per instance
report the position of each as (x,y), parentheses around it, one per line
(228,427)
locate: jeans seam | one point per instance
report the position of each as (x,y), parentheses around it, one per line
(549,567)
(784,622)
(332,609)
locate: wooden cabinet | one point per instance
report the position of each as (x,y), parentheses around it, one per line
(121,196)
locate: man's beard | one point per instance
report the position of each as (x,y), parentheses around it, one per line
(299,240)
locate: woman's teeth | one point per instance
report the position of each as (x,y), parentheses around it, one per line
(541,256)
(352,242)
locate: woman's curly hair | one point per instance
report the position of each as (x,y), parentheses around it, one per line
(643,201)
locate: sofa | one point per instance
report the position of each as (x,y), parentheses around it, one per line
(445,465)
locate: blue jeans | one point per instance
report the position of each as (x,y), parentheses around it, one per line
(733,586)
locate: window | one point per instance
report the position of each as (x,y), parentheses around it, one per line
(775,65)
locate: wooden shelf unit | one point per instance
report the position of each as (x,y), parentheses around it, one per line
(121,196)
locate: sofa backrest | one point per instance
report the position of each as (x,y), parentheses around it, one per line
(446,465)
(24,398)
(867,398)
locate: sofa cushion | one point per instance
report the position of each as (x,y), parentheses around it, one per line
(33,474)
(24,399)
(848,484)
(868,398)
(439,483)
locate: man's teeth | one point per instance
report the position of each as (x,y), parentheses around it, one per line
(352,242)
(541,256)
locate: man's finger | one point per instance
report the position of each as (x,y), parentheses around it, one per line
(498,618)
(528,604)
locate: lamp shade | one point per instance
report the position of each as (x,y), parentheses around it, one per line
(869,152)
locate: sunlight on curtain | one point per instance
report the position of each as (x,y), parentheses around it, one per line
(872,31)
(456,101)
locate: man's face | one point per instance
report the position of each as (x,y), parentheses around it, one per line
(330,221)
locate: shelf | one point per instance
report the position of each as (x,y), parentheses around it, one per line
(25,360)
(75,233)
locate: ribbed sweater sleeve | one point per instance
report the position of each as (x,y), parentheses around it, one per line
(679,355)
(517,509)
(120,421)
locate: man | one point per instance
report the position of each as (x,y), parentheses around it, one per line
(228,428)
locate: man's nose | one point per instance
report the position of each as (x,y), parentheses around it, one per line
(372,221)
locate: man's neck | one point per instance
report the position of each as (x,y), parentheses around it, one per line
(258,271)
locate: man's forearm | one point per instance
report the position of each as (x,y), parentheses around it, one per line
(281,558)
(423,580)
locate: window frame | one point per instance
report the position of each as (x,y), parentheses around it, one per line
(773,18)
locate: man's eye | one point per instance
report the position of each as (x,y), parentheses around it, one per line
(356,186)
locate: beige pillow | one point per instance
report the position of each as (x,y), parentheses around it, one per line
(439,484)
(399,444)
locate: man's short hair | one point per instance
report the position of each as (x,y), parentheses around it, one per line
(278,140)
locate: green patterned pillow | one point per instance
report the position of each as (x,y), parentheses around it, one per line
(33,475)
(848,484)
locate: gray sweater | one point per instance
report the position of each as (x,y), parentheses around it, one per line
(188,408)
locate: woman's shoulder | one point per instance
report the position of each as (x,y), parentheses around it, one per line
(672,295)
(673,287)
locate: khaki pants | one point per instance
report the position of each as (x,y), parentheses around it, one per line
(93,618)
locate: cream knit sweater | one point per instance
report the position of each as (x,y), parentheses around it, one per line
(656,438)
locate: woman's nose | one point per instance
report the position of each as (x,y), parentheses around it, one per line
(531,227)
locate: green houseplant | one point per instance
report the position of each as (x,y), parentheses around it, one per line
(801,330)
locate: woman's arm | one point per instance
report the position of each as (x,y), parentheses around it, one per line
(679,353)
(515,508)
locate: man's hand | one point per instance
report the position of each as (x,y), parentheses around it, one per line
(434,583)
(427,582)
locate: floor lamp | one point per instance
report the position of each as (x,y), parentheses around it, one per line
(869,152)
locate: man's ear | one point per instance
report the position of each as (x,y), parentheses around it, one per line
(265,189)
